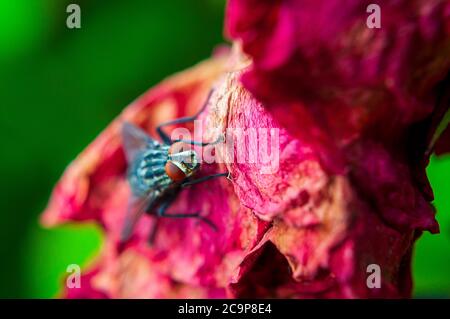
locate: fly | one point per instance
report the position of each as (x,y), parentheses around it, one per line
(158,171)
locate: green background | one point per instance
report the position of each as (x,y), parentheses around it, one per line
(60,87)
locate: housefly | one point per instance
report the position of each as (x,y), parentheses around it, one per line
(158,171)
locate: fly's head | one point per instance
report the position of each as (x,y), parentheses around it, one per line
(182,162)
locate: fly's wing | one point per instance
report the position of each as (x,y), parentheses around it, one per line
(135,140)
(136,208)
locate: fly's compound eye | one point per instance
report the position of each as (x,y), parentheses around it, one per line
(174,172)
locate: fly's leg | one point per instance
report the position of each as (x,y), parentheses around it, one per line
(164,205)
(165,137)
(162,212)
(203,179)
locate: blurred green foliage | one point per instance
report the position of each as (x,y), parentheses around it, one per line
(60,87)
(432,254)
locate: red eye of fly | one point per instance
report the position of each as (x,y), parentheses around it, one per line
(174,172)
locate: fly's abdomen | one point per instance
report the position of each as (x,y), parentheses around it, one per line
(147,172)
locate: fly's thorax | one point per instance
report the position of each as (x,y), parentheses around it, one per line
(147,170)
